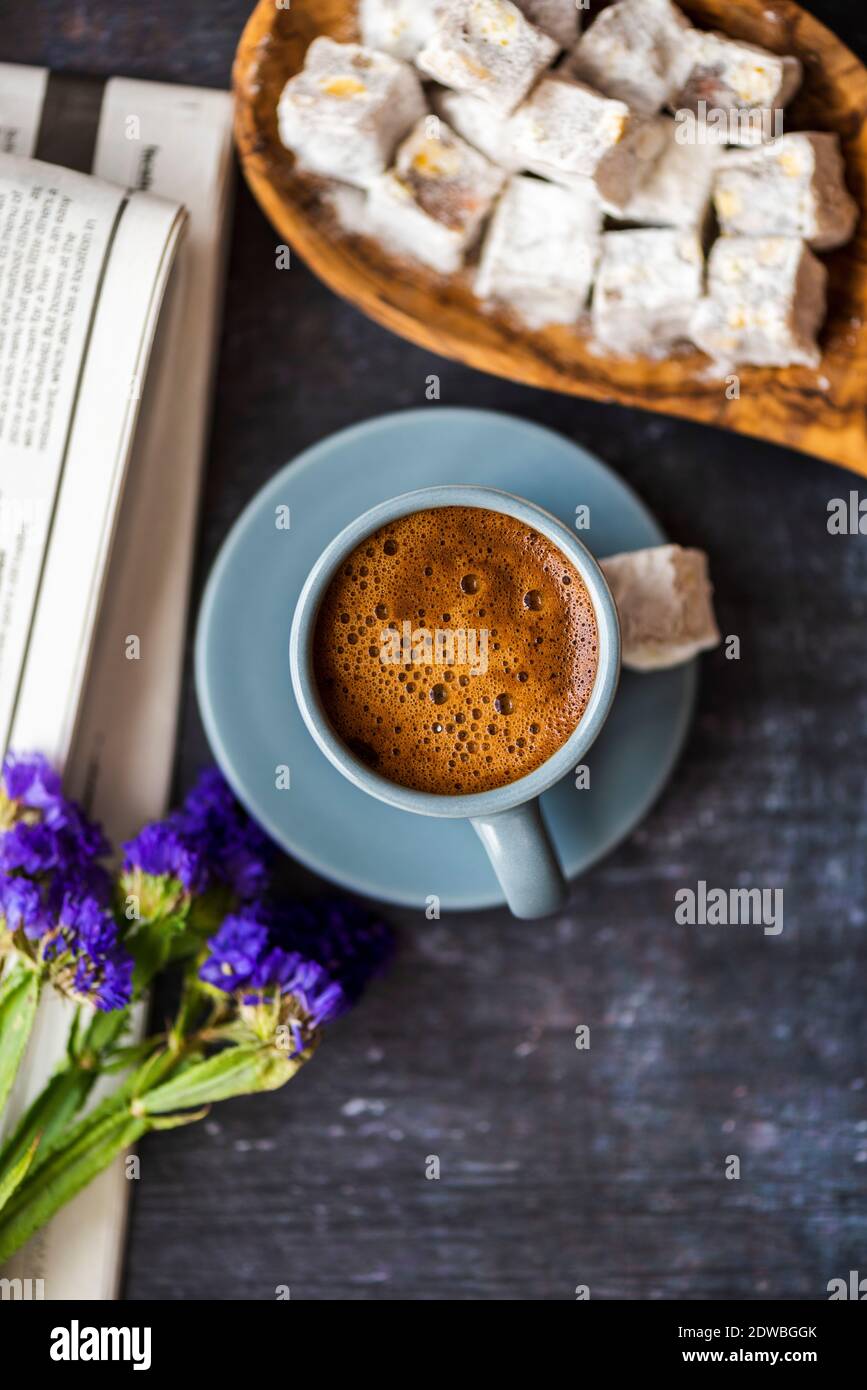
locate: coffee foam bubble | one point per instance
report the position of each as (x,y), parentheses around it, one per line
(454,729)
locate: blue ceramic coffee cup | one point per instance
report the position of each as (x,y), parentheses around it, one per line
(507,820)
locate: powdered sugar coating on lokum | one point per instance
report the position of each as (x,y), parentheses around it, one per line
(345,112)
(566,129)
(480,124)
(677,192)
(747,84)
(765,303)
(635,51)
(541,250)
(648,286)
(399,27)
(432,204)
(792,187)
(487,48)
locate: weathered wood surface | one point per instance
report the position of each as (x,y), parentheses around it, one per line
(558,1167)
(821,411)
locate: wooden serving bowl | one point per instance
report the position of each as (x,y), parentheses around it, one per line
(821,412)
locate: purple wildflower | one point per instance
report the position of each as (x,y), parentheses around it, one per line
(21,905)
(236,952)
(309,996)
(46,830)
(272,987)
(85,957)
(161,850)
(54,890)
(351,943)
(210,841)
(30,779)
(48,848)
(34,849)
(238,850)
(319,995)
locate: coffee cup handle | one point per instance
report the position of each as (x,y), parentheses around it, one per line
(520,849)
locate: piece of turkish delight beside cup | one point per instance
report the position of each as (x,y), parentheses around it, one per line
(664,600)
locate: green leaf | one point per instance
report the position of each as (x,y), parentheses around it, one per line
(238,1071)
(53,1111)
(16,1174)
(18,1000)
(70,1168)
(152,1072)
(46,1118)
(83,1150)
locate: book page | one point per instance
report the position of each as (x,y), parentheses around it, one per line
(133,284)
(56,234)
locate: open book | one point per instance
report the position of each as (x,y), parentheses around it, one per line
(114,202)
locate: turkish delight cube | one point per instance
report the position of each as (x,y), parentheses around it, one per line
(345,112)
(765,303)
(480,124)
(559,19)
(746,86)
(635,51)
(647,289)
(399,27)
(487,48)
(565,129)
(541,250)
(664,600)
(432,204)
(677,191)
(794,186)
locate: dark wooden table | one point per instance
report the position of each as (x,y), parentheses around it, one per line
(558,1167)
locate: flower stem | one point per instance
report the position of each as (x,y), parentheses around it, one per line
(78,1152)
(64,1095)
(65,1173)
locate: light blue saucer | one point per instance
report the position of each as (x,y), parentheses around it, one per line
(242,658)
